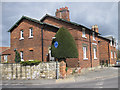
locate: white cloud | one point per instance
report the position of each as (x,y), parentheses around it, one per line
(88,14)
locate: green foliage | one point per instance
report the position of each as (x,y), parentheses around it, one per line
(73,71)
(66,69)
(66,45)
(30,63)
(5,62)
(17,57)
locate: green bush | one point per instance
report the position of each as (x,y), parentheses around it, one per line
(30,63)
(66,69)
(66,45)
(17,57)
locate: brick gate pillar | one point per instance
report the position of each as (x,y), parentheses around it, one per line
(62,69)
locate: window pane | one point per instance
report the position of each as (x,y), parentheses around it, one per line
(31,32)
(21,54)
(95,56)
(83,33)
(84,52)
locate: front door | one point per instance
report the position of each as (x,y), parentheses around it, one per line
(50,57)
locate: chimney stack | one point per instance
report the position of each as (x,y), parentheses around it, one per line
(95,28)
(63,13)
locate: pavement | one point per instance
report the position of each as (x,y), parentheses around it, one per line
(103,73)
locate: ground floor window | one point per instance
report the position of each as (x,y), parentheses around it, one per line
(95,53)
(5,58)
(21,55)
(85,52)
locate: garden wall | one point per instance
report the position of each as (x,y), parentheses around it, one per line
(17,71)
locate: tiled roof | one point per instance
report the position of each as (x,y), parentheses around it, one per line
(30,19)
(76,24)
(6,52)
(3,49)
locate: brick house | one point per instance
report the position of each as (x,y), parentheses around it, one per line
(4,54)
(32,39)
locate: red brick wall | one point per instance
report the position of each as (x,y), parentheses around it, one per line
(104,49)
(34,43)
(113,49)
(77,34)
(72,62)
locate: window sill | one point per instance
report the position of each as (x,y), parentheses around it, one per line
(30,37)
(85,58)
(84,37)
(22,59)
(30,60)
(21,39)
(95,58)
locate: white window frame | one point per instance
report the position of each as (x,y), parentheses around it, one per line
(21,55)
(5,58)
(85,53)
(83,33)
(111,54)
(30,32)
(114,55)
(94,36)
(50,56)
(21,35)
(111,43)
(95,52)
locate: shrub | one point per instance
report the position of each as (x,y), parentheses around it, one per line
(30,63)
(66,69)
(66,45)
(17,57)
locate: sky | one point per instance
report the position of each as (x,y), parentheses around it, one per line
(104,14)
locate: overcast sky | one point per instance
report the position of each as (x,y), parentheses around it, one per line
(104,14)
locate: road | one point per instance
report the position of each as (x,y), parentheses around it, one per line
(99,83)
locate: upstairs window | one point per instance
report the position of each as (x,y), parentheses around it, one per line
(83,33)
(111,43)
(31,32)
(21,35)
(93,35)
(95,52)
(111,54)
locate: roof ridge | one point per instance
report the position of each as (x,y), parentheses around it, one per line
(28,18)
(67,22)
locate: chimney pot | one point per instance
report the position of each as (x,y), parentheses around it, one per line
(60,14)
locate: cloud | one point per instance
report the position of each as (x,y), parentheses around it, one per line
(86,13)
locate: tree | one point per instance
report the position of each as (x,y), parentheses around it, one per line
(17,57)
(66,45)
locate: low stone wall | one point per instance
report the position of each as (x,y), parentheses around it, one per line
(17,71)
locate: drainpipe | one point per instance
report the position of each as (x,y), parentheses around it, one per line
(109,53)
(90,49)
(42,42)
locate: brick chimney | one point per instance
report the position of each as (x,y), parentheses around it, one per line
(95,28)
(63,13)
